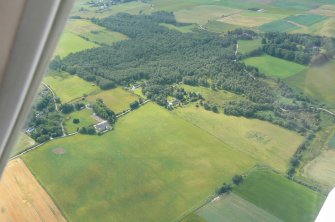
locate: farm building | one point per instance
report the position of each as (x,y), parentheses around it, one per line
(103,126)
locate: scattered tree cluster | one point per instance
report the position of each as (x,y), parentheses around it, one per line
(44,121)
(300,48)
(101,110)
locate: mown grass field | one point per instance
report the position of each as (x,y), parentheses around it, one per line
(317,82)
(116,99)
(93,32)
(324,28)
(183,29)
(322,168)
(216,26)
(275,67)
(250,19)
(264,141)
(23,143)
(69,87)
(203,13)
(84,116)
(70,42)
(278,26)
(231,207)
(152,165)
(246,46)
(280,196)
(307,19)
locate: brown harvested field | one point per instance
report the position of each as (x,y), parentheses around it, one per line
(22,198)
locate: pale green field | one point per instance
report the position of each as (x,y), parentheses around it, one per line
(69,87)
(70,42)
(84,117)
(250,19)
(23,143)
(234,208)
(264,141)
(246,46)
(203,14)
(326,10)
(324,28)
(152,165)
(183,29)
(283,198)
(93,32)
(322,168)
(317,82)
(116,99)
(275,67)
(216,26)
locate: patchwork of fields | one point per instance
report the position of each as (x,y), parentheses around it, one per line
(153,165)
(162,164)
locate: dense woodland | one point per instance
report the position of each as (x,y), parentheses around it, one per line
(162,58)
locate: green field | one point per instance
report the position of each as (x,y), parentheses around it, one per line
(116,99)
(275,67)
(216,26)
(278,26)
(246,46)
(69,87)
(218,97)
(234,208)
(332,142)
(183,29)
(93,32)
(306,20)
(70,42)
(262,140)
(280,196)
(250,19)
(317,82)
(322,168)
(84,117)
(23,143)
(152,165)
(324,28)
(203,14)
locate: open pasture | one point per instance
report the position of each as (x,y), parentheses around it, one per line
(203,14)
(93,32)
(322,168)
(262,140)
(216,26)
(326,10)
(317,82)
(278,26)
(116,99)
(231,207)
(323,28)
(69,87)
(84,116)
(281,197)
(245,20)
(23,143)
(152,165)
(275,67)
(22,198)
(246,46)
(71,43)
(306,19)
(218,97)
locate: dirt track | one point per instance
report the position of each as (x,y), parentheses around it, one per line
(22,198)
